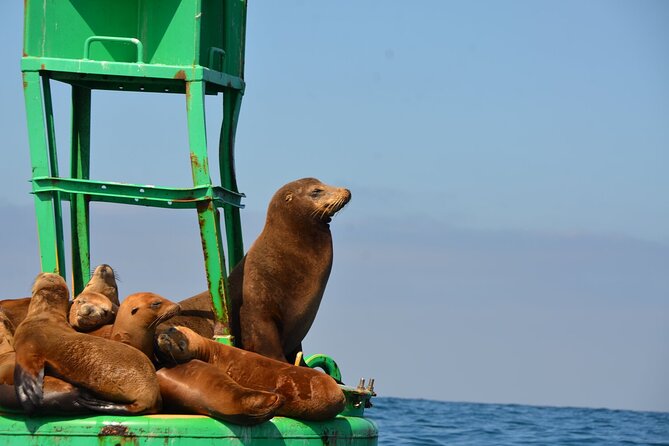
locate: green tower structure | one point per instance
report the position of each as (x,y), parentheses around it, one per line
(188,47)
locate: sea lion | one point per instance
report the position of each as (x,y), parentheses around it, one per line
(103,281)
(59,396)
(202,388)
(97,304)
(197,313)
(276,289)
(308,393)
(122,379)
(91,310)
(192,388)
(137,318)
(15,309)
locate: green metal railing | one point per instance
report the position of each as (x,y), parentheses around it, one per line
(172,46)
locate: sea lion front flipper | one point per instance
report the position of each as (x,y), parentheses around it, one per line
(29,388)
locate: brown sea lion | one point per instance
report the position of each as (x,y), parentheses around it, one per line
(276,289)
(97,304)
(59,396)
(91,310)
(103,281)
(308,393)
(15,309)
(137,318)
(122,379)
(201,388)
(197,313)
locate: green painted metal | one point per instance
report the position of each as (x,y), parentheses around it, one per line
(80,168)
(326,363)
(176,430)
(46,211)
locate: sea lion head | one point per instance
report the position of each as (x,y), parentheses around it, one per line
(172,346)
(147,309)
(49,292)
(91,310)
(103,281)
(308,199)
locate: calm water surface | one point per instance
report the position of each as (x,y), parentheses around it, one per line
(424,422)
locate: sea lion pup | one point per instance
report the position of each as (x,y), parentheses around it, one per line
(122,379)
(98,302)
(308,393)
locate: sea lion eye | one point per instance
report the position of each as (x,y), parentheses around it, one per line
(134,310)
(155,304)
(316,192)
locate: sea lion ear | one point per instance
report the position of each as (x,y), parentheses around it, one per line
(134,310)
(289,196)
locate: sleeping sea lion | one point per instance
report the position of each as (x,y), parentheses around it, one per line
(308,393)
(97,304)
(137,318)
(200,388)
(59,396)
(15,309)
(193,388)
(122,379)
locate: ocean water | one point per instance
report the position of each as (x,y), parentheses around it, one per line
(424,422)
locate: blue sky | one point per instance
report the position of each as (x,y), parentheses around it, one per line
(508,237)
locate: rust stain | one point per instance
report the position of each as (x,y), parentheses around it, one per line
(115,430)
(42,67)
(181,75)
(188,93)
(194,160)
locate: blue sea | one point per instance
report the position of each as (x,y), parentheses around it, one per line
(424,422)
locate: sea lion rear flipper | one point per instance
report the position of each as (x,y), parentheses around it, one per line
(29,388)
(89,401)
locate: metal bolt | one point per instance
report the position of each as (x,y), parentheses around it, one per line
(370,386)
(361,384)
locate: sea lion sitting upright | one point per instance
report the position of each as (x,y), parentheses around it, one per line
(121,377)
(308,393)
(277,287)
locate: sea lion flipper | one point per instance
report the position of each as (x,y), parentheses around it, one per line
(29,388)
(90,402)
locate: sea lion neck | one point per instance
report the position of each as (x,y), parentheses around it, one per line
(50,302)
